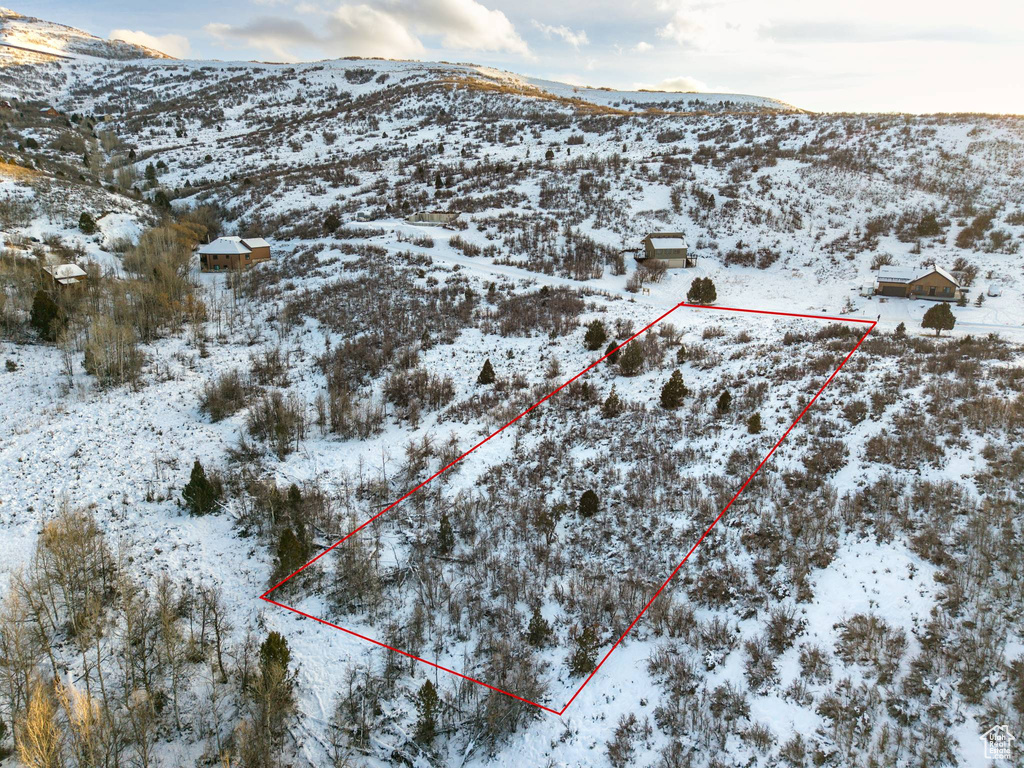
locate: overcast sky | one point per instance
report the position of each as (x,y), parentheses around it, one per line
(891,55)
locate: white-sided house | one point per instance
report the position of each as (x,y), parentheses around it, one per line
(232,252)
(917,283)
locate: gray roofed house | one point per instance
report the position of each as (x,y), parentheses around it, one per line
(931,282)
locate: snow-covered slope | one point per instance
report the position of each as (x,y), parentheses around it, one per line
(25,39)
(858,605)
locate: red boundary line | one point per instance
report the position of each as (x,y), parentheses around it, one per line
(265,595)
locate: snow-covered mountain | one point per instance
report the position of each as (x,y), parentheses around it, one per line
(859,602)
(26,39)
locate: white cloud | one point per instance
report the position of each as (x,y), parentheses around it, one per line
(463,24)
(575,39)
(681,84)
(387,28)
(359,30)
(642,47)
(173,45)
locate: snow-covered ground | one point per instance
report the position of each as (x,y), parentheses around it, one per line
(785,211)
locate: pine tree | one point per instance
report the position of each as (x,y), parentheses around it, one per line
(486,373)
(681,354)
(708,294)
(200,494)
(445,535)
(596,336)
(612,406)
(693,295)
(674,391)
(584,658)
(539,630)
(151,174)
(611,354)
(724,402)
(274,651)
(940,317)
(291,555)
(901,331)
(331,222)
(754,424)
(588,504)
(427,702)
(702,291)
(632,360)
(45,315)
(86,224)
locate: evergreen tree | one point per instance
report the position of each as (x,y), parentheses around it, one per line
(539,630)
(901,331)
(486,373)
(708,294)
(549,155)
(584,658)
(274,651)
(86,224)
(681,354)
(611,354)
(331,222)
(45,316)
(445,535)
(632,360)
(612,406)
(162,201)
(151,174)
(674,391)
(693,295)
(427,702)
(724,402)
(940,317)
(291,555)
(588,504)
(200,494)
(754,424)
(596,336)
(702,291)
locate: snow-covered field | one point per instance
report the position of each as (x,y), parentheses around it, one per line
(859,605)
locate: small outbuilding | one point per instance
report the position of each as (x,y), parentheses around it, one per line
(669,248)
(233,253)
(433,218)
(912,283)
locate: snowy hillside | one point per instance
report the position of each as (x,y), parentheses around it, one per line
(176,443)
(25,39)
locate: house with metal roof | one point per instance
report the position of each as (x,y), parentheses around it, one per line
(932,282)
(232,252)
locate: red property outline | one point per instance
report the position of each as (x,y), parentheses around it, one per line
(265,595)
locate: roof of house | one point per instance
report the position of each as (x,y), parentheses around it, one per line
(891,274)
(65,271)
(256,242)
(225,245)
(667,243)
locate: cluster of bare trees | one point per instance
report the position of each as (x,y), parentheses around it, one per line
(98,667)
